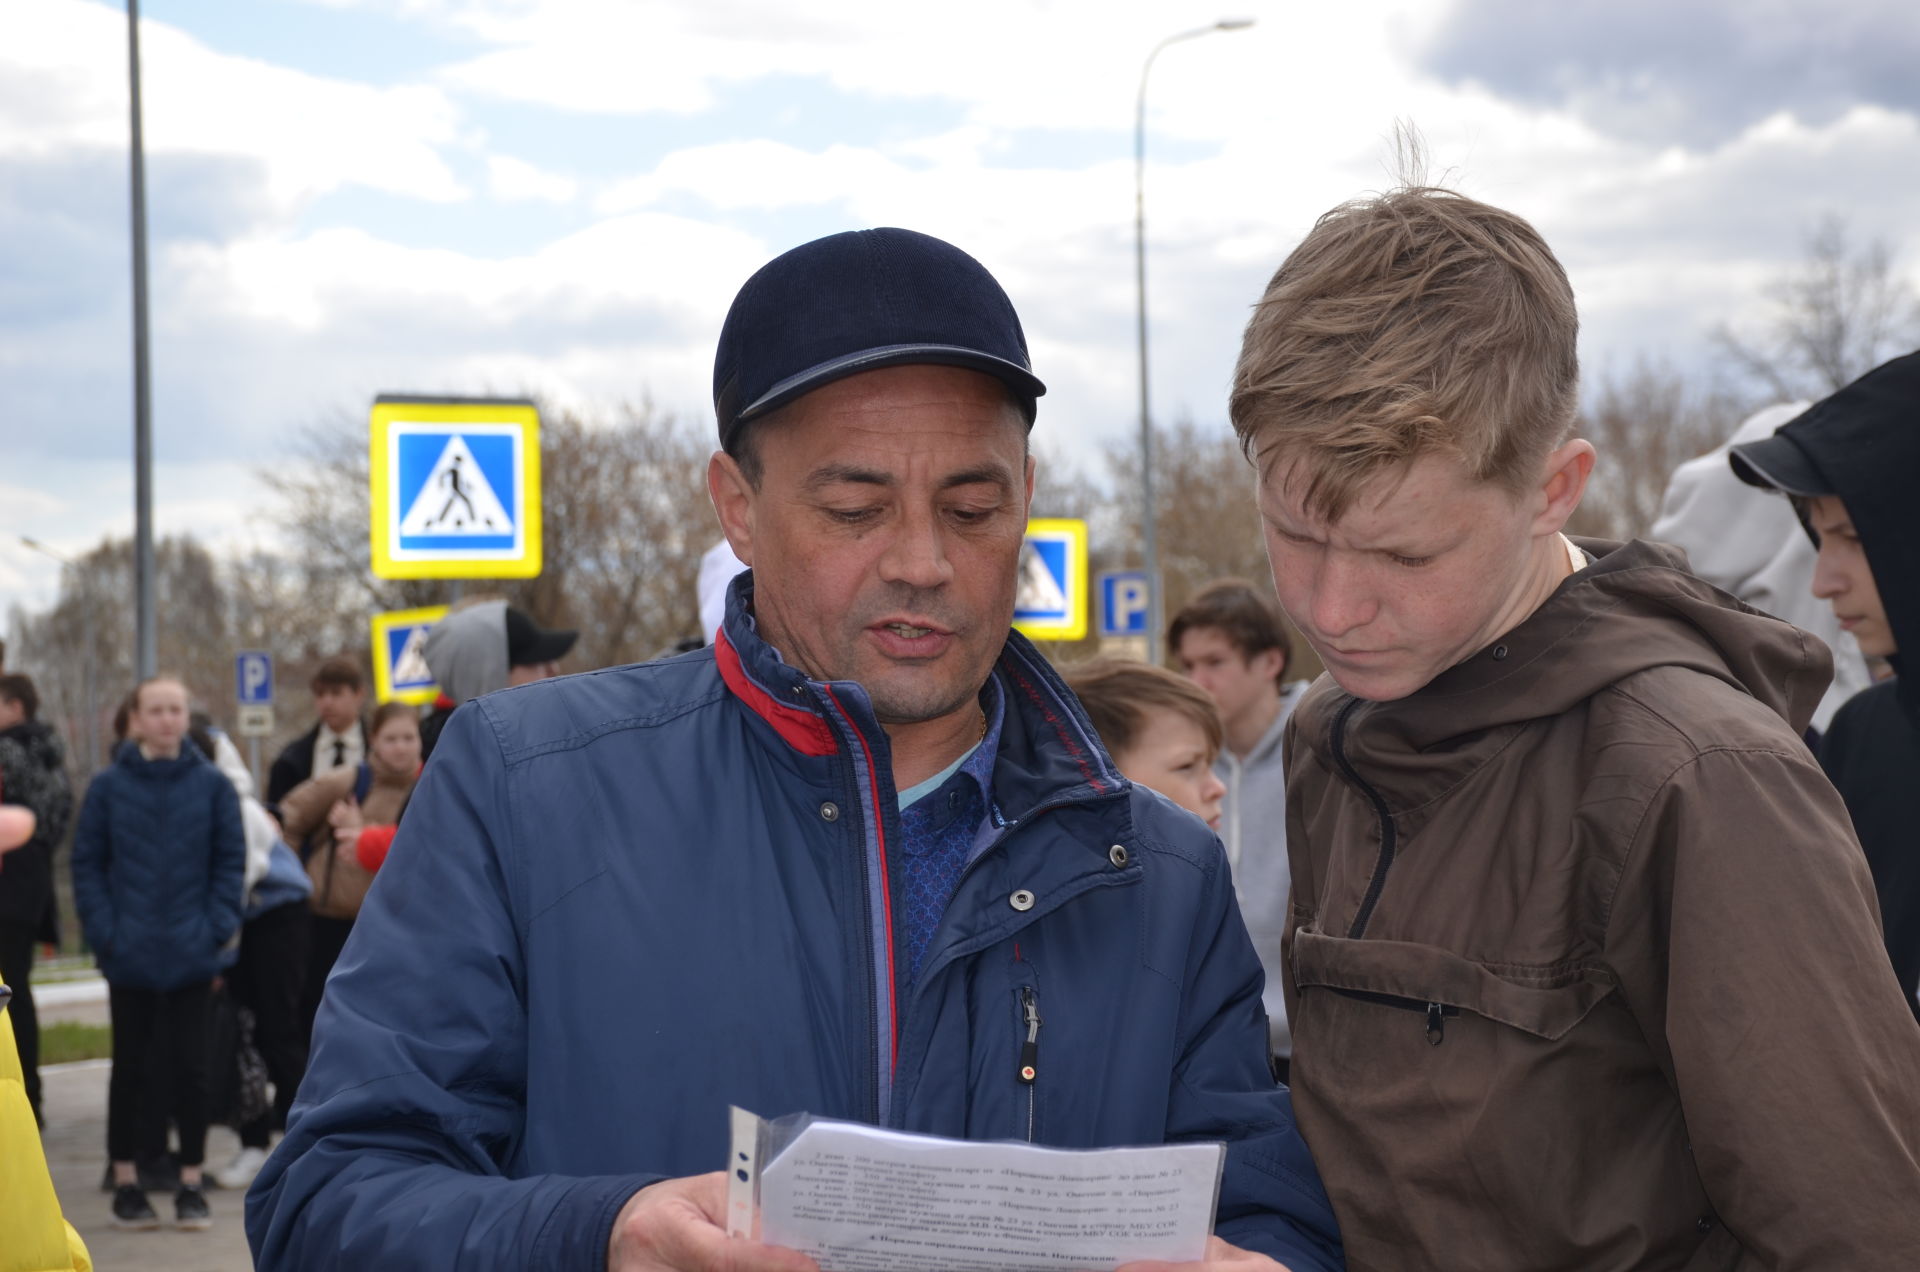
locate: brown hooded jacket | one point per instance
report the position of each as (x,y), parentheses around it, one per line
(1584,963)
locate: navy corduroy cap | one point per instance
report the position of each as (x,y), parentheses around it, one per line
(856,302)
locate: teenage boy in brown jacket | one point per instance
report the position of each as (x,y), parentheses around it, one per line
(1583,965)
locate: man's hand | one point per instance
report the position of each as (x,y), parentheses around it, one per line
(1219,1255)
(677,1225)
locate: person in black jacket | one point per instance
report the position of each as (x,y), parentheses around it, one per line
(337,740)
(1849,464)
(33,774)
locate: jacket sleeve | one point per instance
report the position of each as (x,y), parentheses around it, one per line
(1746,937)
(1271,1198)
(414,1102)
(305,807)
(36,786)
(226,894)
(92,855)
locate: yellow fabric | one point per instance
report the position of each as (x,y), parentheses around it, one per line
(33,1236)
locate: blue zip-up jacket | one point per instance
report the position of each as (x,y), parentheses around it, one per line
(624,900)
(159,862)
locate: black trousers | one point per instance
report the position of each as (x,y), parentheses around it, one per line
(16,969)
(270,980)
(159,1072)
(329,938)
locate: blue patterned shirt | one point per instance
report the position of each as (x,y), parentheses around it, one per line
(941,831)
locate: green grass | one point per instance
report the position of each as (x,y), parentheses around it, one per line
(68,1040)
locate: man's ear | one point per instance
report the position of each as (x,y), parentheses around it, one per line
(1032,468)
(732,496)
(1267,664)
(1565,475)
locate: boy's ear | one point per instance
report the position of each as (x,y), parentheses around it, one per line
(1566,472)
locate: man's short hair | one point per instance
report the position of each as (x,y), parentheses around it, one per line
(339,672)
(1118,693)
(19,689)
(1250,622)
(1413,323)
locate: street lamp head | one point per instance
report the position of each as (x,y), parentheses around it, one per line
(1233,24)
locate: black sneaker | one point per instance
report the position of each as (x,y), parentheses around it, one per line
(131,1209)
(190,1209)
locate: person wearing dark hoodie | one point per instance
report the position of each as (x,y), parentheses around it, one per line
(1582,967)
(1848,463)
(33,775)
(482,646)
(159,864)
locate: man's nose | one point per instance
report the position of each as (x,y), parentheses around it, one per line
(917,552)
(1343,596)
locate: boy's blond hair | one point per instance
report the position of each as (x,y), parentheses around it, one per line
(1413,323)
(1117,693)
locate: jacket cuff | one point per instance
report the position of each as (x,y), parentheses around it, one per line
(577,1233)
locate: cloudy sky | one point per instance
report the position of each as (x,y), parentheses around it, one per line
(355,196)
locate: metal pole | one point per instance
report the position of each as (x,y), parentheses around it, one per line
(1150,511)
(146,660)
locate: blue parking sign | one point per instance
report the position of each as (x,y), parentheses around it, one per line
(253,679)
(1126,603)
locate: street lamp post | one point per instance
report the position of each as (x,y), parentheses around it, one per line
(86,638)
(146,659)
(1150,522)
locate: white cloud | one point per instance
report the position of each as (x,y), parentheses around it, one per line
(67,62)
(516,181)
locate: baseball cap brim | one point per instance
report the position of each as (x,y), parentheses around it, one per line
(529,644)
(1779,463)
(1024,385)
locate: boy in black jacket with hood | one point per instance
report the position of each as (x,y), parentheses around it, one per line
(1849,463)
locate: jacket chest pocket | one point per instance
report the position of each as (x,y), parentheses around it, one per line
(1425,990)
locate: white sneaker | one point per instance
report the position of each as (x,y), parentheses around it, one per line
(238,1173)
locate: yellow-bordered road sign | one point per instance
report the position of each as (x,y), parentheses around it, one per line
(399,655)
(1051,603)
(456,488)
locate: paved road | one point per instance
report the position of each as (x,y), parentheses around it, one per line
(76,1139)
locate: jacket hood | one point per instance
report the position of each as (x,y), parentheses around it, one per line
(467,650)
(1633,609)
(40,742)
(1865,440)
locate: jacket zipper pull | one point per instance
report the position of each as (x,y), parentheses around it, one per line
(1030,1049)
(1436,1024)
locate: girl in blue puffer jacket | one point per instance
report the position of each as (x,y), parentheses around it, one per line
(159,858)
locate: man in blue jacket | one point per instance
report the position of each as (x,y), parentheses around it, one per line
(862,858)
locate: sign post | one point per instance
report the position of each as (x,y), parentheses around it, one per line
(1051,603)
(253,692)
(455,488)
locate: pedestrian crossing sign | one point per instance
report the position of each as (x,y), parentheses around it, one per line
(400,671)
(456,488)
(1051,600)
